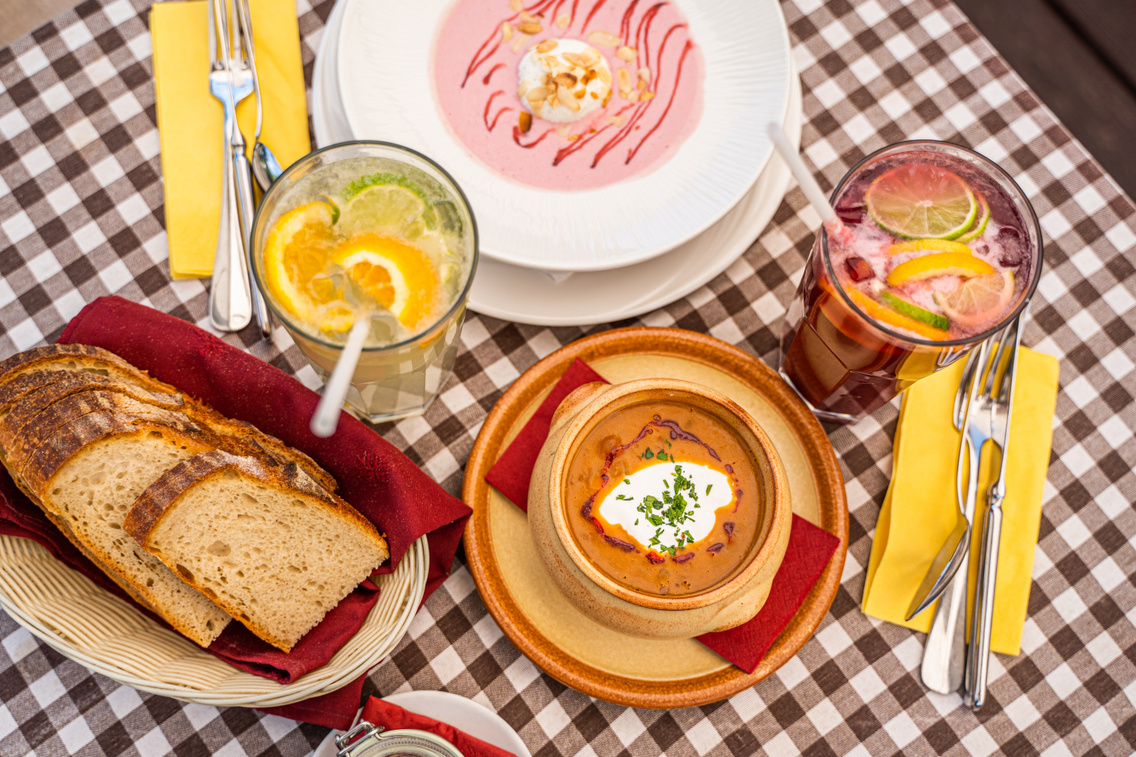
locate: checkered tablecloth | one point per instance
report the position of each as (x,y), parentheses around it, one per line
(81,215)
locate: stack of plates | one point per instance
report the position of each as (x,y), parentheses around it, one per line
(651,239)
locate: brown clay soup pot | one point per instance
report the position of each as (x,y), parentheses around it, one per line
(659,508)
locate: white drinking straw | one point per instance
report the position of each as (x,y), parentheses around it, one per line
(809,186)
(326,417)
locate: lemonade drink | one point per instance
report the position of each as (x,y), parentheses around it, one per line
(937,249)
(369,230)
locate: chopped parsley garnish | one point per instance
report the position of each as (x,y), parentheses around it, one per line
(672,510)
(708,487)
(648,454)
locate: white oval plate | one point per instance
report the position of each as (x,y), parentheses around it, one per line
(745,48)
(463,714)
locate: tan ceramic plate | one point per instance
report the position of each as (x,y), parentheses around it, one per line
(562,641)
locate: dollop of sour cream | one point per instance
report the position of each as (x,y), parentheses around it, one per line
(703,489)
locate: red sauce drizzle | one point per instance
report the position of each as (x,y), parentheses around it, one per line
(488,105)
(642,45)
(643,29)
(530,145)
(489,76)
(678,75)
(591,13)
(625,24)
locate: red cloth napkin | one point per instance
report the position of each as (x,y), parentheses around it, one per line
(810,547)
(377,479)
(392,717)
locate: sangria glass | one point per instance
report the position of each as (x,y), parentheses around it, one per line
(851,341)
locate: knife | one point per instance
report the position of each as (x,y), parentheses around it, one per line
(1000,410)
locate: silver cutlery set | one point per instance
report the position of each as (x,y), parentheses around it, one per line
(982,412)
(233,299)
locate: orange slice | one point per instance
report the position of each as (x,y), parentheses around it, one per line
(879,312)
(938,264)
(979,299)
(398,276)
(926,245)
(296,251)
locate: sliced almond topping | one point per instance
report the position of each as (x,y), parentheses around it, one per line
(646,96)
(592,57)
(567,98)
(527,17)
(516,5)
(576,59)
(520,41)
(626,53)
(631,97)
(642,85)
(506,31)
(580,93)
(595,96)
(624,79)
(565,80)
(601,38)
(563,20)
(644,74)
(591,74)
(616,120)
(573,138)
(544,47)
(605,76)
(524,122)
(530,27)
(563,130)
(536,94)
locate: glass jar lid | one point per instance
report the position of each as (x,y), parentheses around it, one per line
(369,740)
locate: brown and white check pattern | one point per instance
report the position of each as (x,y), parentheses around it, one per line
(81,216)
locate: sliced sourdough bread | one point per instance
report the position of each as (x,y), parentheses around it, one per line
(269,546)
(88,473)
(29,371)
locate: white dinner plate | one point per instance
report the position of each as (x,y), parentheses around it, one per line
(463,714)
(531,296)
(383,68)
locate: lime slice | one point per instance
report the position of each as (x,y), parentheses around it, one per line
(980,224)
(381,209)
(978,300)
(921,201)
(886,315)
(934,320)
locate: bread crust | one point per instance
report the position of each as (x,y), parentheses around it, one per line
(162,496)
(61,359)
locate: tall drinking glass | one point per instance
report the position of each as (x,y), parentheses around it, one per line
(375,230)
(939,249)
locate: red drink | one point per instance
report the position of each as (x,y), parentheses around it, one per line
(938,249)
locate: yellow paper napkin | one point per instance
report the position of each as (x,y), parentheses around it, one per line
(919,510)
(189,118)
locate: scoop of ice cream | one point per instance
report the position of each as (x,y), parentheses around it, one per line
(563,80)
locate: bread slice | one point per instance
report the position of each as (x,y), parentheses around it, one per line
(33,369)
(269,546)
(87,474)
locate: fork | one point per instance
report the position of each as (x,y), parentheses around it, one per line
(945,648)
(244,68)
(230,300)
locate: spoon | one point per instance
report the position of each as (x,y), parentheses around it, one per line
(265,166)
(956,547)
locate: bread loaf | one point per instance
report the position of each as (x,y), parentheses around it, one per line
(87,474)
(269,546)
(32,370)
